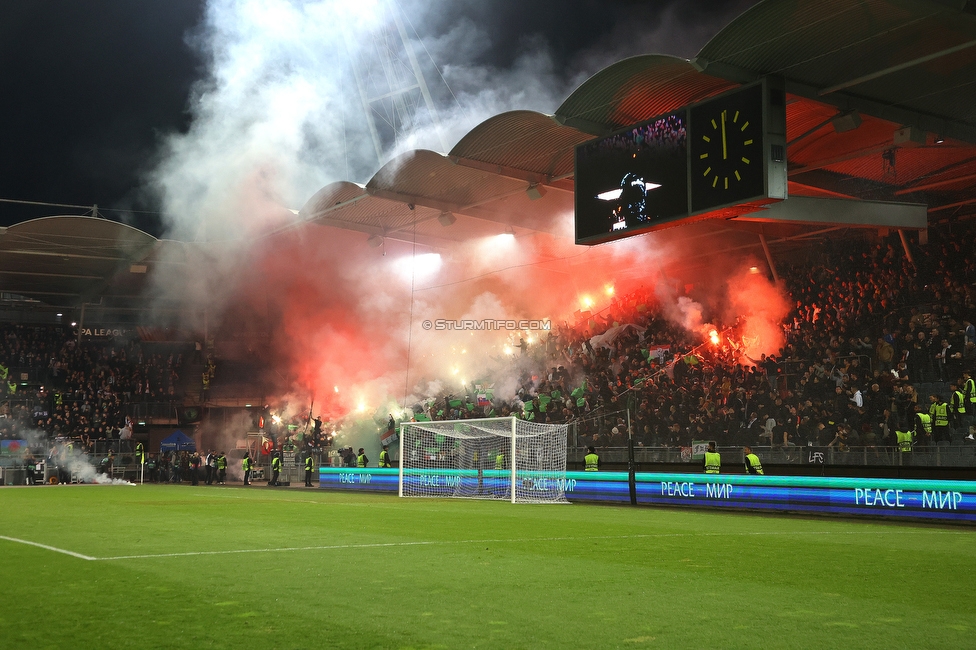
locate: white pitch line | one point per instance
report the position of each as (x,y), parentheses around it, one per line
(49,548)
(490,541)
(761,533)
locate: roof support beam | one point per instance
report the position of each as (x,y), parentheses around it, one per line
(902,116)
(441,206)
(423,240)
(896,68)
(935,184)
(49,275)
(513,173)
(845,101)
(949,206)
(827,162)
(14,251)
(833,193)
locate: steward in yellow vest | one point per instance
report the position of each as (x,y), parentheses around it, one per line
(904,440)
(957,406)
(309,466)
(939,411)
(753,466)
(591,462)
(713,460)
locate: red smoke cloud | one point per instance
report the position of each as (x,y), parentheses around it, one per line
(339,311)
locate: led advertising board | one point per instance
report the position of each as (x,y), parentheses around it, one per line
(873,497)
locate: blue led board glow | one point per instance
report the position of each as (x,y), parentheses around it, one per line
(900,498)
(359,478)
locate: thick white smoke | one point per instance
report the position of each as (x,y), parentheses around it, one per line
(279,115)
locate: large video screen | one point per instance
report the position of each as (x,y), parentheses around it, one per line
(633,180)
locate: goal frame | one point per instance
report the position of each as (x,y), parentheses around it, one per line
(513,447)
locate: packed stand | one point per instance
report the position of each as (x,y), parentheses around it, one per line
(872,340)
(65,389)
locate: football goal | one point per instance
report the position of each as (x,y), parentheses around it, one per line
(491,458)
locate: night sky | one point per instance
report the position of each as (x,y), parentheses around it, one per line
(90,88)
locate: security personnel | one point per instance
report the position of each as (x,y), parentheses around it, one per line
(753,466)
(309,464)
(385,457)
(246,467)
(591,461)
(904,438)
(923,427)
(969,389)
(939,411)
(713,460)
(221,468)
(957,406)
(151,468)
(275,468)
(500,460)
(361,459)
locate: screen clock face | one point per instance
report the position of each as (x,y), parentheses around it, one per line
(726,150)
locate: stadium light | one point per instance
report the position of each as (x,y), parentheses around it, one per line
(446,219)
(535,192)
(418,266)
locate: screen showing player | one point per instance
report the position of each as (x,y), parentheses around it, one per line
(633,180)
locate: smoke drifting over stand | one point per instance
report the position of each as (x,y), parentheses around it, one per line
(279,116)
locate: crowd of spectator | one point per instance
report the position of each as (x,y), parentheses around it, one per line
(61,387)
(870,336)
(869,328)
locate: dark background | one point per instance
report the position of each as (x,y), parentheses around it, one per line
(89,88)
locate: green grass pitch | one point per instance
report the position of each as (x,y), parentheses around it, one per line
(214,567)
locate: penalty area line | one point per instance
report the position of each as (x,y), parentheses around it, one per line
(49,548)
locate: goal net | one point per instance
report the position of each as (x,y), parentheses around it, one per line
(493,458)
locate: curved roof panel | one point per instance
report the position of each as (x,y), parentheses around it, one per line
(525,140)
(331,197)
(427,174)
(896,62)
(61,259)
(637,89)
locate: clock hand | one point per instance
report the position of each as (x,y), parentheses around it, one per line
(725,153)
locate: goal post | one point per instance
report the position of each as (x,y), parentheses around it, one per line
(489,458)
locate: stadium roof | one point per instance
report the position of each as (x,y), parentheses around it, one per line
(855,73)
